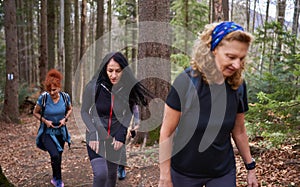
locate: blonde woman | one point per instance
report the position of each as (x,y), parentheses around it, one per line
(199,120)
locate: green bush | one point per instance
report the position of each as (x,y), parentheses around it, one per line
(275,121)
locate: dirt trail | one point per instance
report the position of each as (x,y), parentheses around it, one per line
(25,165)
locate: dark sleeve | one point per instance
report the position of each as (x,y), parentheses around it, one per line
(173,99)
(87,102)
(243,99)
(177,94)
(121,134)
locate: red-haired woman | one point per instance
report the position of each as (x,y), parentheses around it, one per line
(53,108)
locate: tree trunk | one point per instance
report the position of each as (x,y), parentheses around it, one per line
(134,38)
(43,65)
(30,49)
(281,4)
(82,49)
(210,10)
(154,49)
(23,63)
(225,6)
(265,34)
(99,33)
(76,37)
(296,17)
(248,14)
(295,22)
(83,28)
(11,105)
(51,29)
(220,10)
(254,16)
(109,23)
(232,10)
(61,46)
(68,49)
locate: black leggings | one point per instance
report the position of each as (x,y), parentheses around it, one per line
(55,155)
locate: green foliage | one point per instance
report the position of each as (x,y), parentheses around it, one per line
(24,92)
(273,86)
(191,18)
(196,13)
(125,10)
(180,59)
(153,137)
(276,121)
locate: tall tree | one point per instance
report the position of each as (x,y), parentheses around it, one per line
(109,22)
(231,9)
(51,27)
(83,48)
(83,28)
(295,21)
(76,33)
(220,10)
(248,14)
(68,48)
(43,64)
(281,4)
(254,16)
(99,32)
(22,52)
(296,17)
(265,35)
(154,46)
(280,10)
(32,62)
(11,106)
(61,45)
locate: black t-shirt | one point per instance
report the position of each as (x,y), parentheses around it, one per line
(202,146)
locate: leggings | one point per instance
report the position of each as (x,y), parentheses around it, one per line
(228,180)
(104,171)
(55,155)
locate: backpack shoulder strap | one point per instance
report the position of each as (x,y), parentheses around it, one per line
(65,98)
(44,100)
(192,90)
(240,90)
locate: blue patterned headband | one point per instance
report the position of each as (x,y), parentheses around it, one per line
(221,30)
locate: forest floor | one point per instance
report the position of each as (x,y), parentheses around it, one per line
(25,165)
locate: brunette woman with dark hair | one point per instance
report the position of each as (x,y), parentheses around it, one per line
(109,101)
(53,108)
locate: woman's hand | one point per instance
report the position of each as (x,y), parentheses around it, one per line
(48,123)
(117,145)
(62,122)
(251,179)
(94,145)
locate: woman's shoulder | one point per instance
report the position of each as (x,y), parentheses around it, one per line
(42,98)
